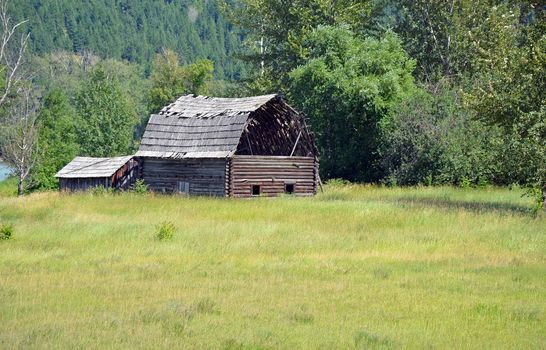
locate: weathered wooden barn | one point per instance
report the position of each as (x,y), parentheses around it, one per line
(84,173)
(238,147)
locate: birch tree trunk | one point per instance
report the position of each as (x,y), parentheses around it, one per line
(21,136)
(19,129)
(12,53)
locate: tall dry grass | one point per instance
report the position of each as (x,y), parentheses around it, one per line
(354,267)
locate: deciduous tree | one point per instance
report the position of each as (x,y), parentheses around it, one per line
(347,87)
(20,135)
(171,80)
(106,118)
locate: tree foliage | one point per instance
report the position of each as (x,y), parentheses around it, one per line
(509,92)
(347,87)
(57,141)
(281,28)
(429,139)
(133,30)
(171,80)
(106,118)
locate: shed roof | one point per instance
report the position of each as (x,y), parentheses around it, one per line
(199,127)
(86,167)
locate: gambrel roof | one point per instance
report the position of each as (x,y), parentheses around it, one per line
(212,127)
(86,167)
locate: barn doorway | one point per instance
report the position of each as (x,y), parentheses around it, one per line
(183,187)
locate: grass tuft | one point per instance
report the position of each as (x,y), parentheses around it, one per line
(165,231)
(6,232)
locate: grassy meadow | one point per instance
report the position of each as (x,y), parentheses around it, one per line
(356,267)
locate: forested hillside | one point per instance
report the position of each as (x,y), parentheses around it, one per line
(133,30)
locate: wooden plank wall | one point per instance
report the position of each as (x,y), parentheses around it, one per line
(272,173)
(83,184)
(206,176)
(126,176)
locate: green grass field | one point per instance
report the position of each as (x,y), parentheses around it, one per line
(354,267)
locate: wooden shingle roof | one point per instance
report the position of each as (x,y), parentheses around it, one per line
(86,167)
(199,127)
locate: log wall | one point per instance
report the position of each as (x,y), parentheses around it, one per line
(272,174)
(204,176)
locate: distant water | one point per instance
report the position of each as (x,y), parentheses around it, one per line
(4,171)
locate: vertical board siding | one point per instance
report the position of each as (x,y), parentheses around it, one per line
(205,176)
(83,184)
(272,173)
(126,176)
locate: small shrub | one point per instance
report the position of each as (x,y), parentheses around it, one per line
(101,191)
(535,193)
(139,187)
(165,231)
(366,340)
(6,232)
(392,182)
(338,182)
(428,180)
(483,182)
(465,182)
(206,306)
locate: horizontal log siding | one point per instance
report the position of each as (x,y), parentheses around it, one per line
(206,176)
(272,173)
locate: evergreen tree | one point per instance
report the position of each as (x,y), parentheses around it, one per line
(133,30)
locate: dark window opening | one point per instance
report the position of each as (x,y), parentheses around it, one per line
(256,190)
(289,188)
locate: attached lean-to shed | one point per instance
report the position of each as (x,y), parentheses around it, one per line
(84,173)
(238,147)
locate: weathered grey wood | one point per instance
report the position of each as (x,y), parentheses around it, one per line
(81,167)
(199,125)
(205,176)
(200,144)
(272,174)
(84,173)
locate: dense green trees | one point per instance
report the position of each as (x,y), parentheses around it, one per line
(171,80)
(477,116)
(509,92)
(348,87)
(133,30)
(277,29)
(430,139)
(57,140)
(105,117)
(400,92)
